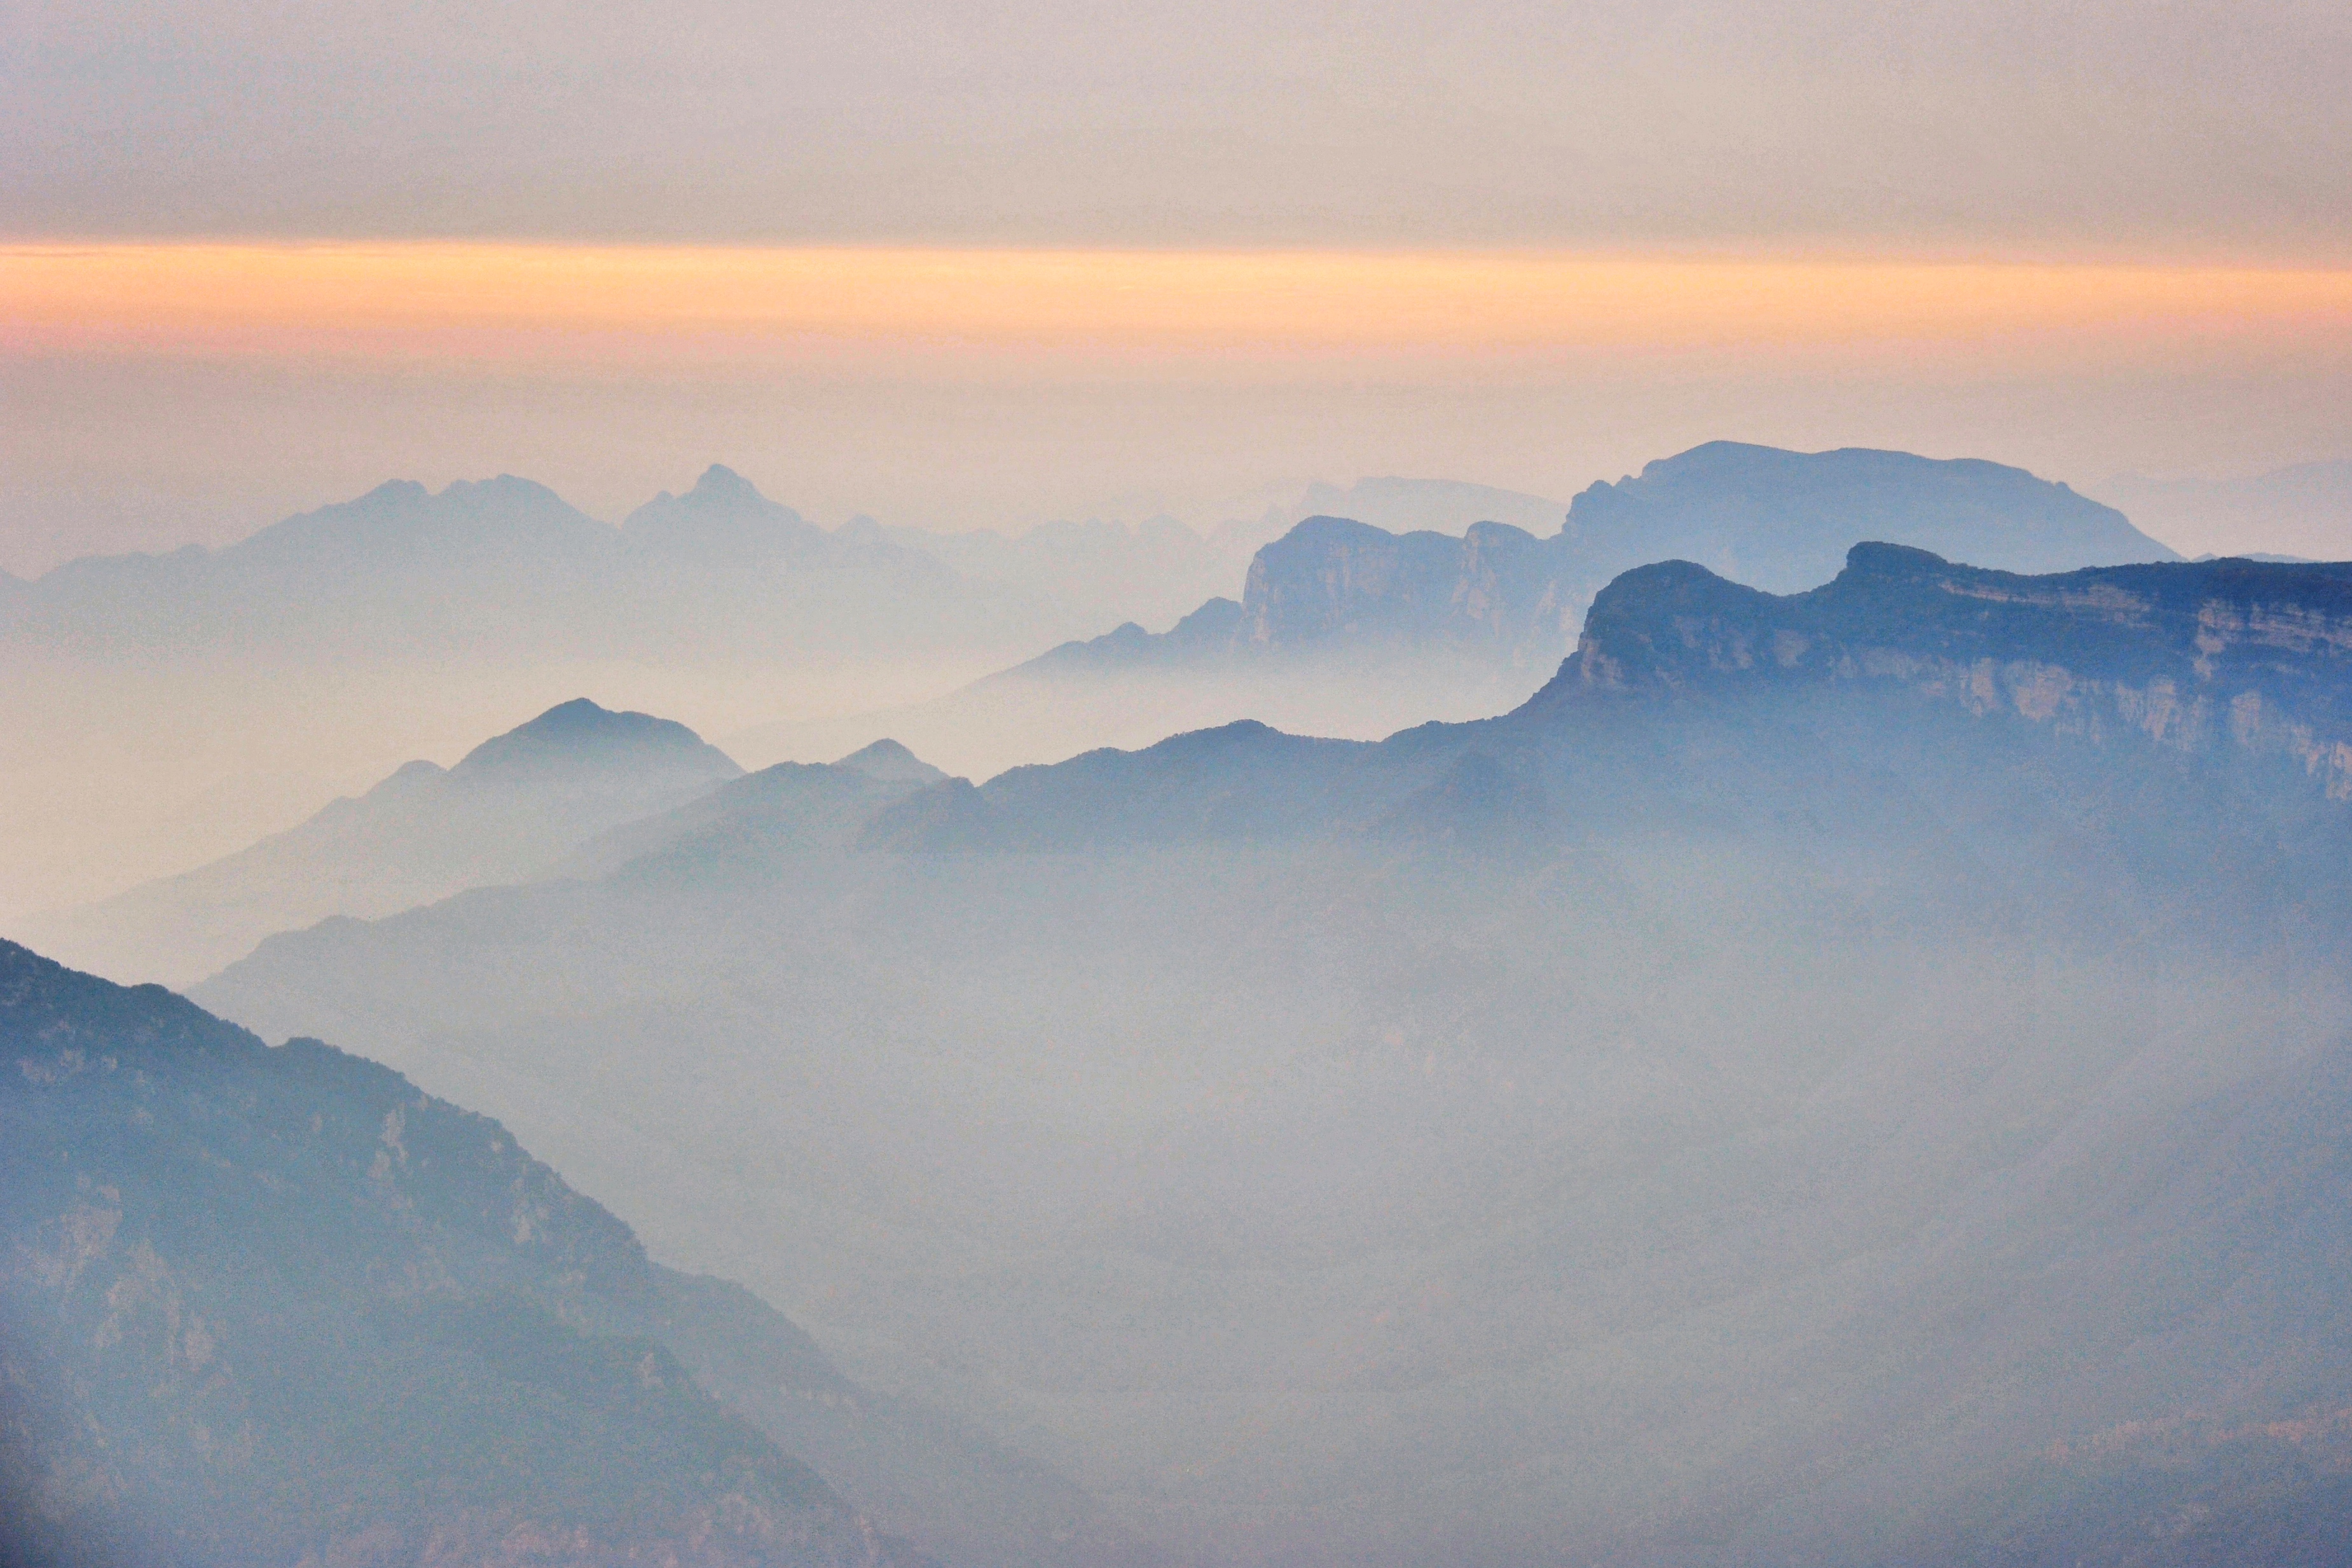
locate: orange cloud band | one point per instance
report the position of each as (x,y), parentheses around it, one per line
(476,299)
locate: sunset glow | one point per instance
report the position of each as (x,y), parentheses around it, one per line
(465,300)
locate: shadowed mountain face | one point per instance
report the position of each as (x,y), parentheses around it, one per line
(2226,654)
(509,810)
(1330,578)
(276,1305)
(271,1306)
(1835,1078)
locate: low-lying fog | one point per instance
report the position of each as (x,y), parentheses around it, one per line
(1746,1123)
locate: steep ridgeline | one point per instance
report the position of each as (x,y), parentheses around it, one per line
(505,568)
(2216,659)
(1332,585)
(2223,663)
(277,1306)
(510,809)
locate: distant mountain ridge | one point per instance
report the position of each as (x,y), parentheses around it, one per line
(510,809)
(1776,520)
(1783,521)
(1346,628)
(724,520)
(504,567)
(749,820)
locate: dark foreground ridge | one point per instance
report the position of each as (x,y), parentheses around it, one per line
(277,1306)
(267,1306)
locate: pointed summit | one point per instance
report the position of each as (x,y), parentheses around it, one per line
(580,735)
(887,761)
(722,521)
(720,485)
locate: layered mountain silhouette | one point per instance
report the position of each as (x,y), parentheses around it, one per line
(578,791)
(1775,519)
(504,565)
(1345,626)
(276,1305)
(746,821)
(1835,1077)
(510,809)
(504,568)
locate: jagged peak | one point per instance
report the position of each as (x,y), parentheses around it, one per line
(721,482)
(715,508)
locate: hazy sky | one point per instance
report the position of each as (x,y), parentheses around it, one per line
(2102,124)
(1175,253)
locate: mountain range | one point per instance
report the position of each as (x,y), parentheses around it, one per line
(1832,1077)
(504,565)
(1778,520)
(1346,628)
(505,568)
(1343,627)
(405,622)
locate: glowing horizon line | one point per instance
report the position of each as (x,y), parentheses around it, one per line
(501,298)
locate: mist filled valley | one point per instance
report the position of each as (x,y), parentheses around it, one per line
(1795,1018)
(1209,785)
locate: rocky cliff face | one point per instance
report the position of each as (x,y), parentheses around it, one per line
(1498,588)
(2191,655)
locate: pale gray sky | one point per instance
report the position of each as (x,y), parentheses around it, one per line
(2112,124)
